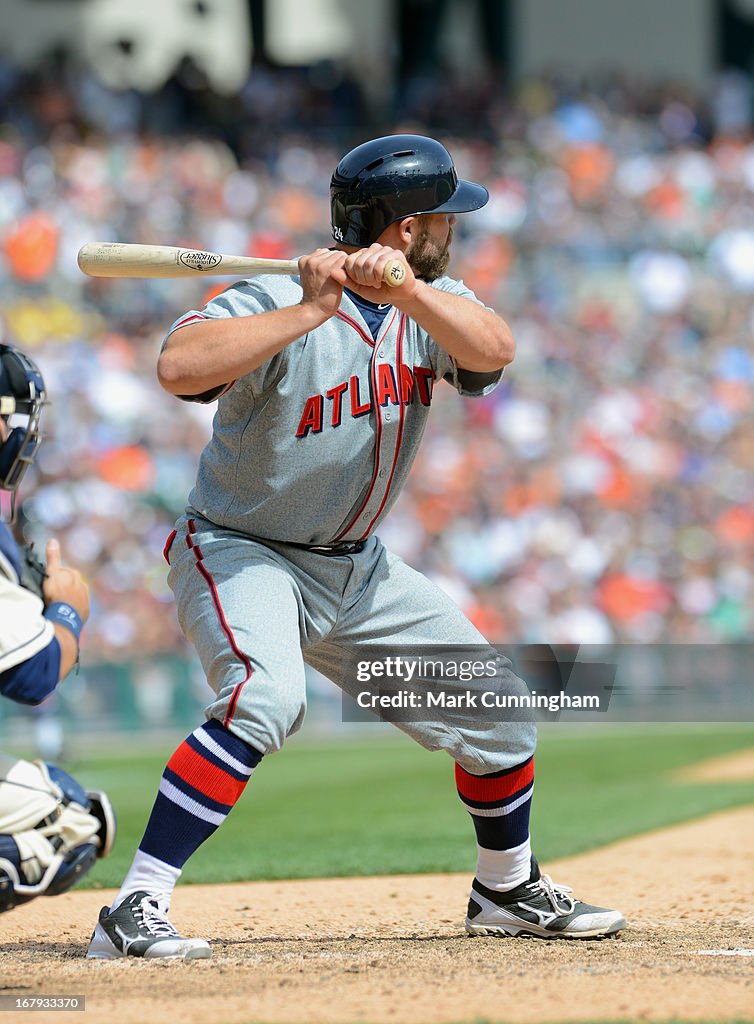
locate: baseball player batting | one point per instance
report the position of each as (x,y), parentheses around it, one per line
(324,382)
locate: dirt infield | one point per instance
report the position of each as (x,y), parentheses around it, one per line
(393,948)
(737,767)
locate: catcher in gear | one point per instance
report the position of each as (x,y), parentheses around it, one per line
(51,830)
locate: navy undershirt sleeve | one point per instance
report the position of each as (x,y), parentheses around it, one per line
(472,380)
(34,679)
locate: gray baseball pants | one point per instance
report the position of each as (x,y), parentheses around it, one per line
(256,612)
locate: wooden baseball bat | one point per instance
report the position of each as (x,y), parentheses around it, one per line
(127,259)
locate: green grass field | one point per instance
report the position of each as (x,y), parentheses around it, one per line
(386,806)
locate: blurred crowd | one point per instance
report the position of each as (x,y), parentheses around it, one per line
(603,492)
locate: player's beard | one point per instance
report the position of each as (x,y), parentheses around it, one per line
(427,257)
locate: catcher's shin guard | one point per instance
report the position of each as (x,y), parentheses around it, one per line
(51,831)
(101,808)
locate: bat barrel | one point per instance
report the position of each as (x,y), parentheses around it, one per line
(130,259)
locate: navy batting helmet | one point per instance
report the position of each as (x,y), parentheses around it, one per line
(22,395)
(398,176)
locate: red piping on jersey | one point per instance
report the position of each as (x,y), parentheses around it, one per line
(189,320)
(378,417)
(168,545)
(199,562)
(402,414)
(357,327)
(184,323)
(376,469)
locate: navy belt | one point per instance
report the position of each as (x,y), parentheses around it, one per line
(345,547)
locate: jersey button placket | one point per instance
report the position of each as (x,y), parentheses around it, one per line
(388,437)
(374,500)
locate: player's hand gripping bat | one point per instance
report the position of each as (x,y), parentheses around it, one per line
(126,259)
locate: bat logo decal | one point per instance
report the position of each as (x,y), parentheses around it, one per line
(200,260)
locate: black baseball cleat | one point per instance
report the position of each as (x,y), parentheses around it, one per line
(540,908)
(139,926)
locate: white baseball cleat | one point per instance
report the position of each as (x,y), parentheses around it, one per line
(139,926)
(538,908)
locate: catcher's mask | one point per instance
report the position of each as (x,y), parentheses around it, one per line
(398,176)
(22,395)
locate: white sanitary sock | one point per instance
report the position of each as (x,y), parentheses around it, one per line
(150,874)
(504,869)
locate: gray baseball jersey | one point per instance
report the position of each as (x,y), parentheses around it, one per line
(315,445)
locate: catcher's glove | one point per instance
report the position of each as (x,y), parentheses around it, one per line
(33,571)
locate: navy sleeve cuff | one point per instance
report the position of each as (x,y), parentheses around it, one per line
(34,679)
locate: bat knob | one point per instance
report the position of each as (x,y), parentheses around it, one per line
(394,274)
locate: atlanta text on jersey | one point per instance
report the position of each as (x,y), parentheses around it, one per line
(414,381)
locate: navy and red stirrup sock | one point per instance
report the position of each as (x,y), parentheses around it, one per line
(200,785)
(499,804)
